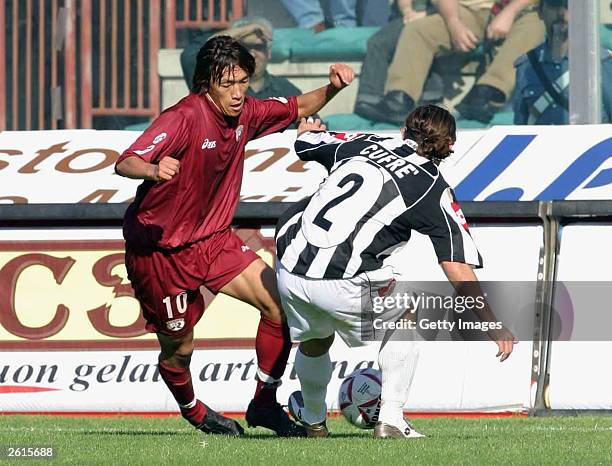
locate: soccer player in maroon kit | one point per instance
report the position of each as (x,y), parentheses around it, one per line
(178,234)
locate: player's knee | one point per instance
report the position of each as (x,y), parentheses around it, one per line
(183,354)
(271,309)
(316,347)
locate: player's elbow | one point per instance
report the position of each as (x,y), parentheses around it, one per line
(120,167)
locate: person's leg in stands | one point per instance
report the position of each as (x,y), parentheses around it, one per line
(527,33)
(495,86)
(416,48)
(344,13)
(306,13)
(379,54)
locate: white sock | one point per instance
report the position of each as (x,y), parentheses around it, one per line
(314,375)
(397,361)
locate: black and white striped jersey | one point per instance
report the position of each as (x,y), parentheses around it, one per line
(378,190)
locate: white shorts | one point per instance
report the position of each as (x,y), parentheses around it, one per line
(316,308)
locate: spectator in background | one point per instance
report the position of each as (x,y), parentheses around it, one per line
(255,33)
(379,55)
(309,13)
(462,24)
(542,75)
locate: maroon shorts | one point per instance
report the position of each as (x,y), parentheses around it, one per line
(167,282)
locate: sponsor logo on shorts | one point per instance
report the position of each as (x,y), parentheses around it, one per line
(209,144)
(175,325)
(245,248)
(239,132)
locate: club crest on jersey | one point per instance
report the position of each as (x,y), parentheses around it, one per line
(175,325)
(239,131)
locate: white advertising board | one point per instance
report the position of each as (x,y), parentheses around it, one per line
(578,380)
(501,163)
(92,374)
(449,377)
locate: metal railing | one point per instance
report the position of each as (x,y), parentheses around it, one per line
(65,62)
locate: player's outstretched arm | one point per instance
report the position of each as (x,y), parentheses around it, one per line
(135,167)
(340,76)
(464,280)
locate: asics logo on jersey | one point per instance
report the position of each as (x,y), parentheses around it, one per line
(244,248)
(209,144)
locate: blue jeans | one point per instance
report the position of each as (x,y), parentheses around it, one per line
(308,13)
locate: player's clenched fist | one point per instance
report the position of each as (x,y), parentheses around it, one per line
(166,169)
(341,75)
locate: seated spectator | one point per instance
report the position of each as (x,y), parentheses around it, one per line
(542,75)
(379,54)
(462,25)
(255,34)
(309,13)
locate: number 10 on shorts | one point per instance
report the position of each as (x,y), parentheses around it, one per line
(180,302)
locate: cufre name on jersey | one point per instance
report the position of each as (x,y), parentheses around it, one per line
(396,165)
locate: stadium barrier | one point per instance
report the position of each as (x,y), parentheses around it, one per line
(83,315)
(71,335)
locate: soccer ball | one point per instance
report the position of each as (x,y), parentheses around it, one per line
(359,397)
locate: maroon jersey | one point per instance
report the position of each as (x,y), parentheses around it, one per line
(201,199)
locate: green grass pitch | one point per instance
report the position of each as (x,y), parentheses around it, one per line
(136,440)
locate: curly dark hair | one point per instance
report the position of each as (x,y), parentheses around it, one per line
(216,55)
(433,129)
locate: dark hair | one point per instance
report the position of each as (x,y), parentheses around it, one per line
(433,129)
(216,55)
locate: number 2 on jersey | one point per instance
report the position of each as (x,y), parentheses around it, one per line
(357,180)
(342,202)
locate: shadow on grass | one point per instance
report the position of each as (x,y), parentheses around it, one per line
(248,436)
(264,436)
(135,432)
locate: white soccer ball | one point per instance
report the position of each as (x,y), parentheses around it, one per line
(359,397)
